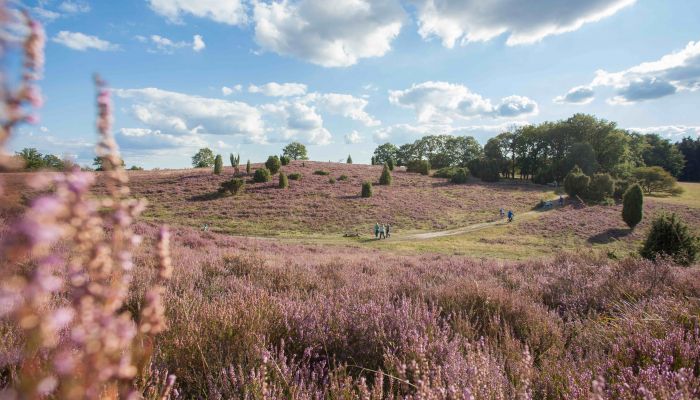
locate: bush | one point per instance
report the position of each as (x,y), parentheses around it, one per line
(331,180)
(273,164)
(261,175)
(491,171)
(284,183)
(390,162)
(232,187)
(655,179)
(670,237)
(446,172)
(218,164)
(247,168)
(621,186)
(343,177)
(385,178)
(601,187)
(367,189)
(349,160)
(419,166)
(284,160)
(576,183)
(321,172)
(633,206)
(460,176)
(295,176)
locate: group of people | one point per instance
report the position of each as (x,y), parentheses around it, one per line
(510,214)
(382,231)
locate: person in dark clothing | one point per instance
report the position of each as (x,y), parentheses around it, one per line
(510,215)
(388,230)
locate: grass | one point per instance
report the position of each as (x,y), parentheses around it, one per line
(690,196)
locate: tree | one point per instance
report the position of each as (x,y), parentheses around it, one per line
(295,151)
(273,163)
(98,161)
(349,160)
(283,181)
(461,176)
(203,159)
(576,183)
(633,206)
(385,178)
(32,158)
(390,164)
(419,166)
(583,156)
(261,175)
(366,189)
(232,187)
(601,187)
(384,153)
(284,160)
(53,162)
(235,160)
(660,152)
(655,179)
(247,168)
(218,164)
(670,237)
(691,152)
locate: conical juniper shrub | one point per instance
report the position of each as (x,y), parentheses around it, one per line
(633,206)
(385,178)
(273,164)
(461,176)
(670,237)
(218,164)
(284,183)
(261,175)
(367,189)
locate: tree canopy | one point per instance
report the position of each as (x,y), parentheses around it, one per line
(203,159)
(295,151)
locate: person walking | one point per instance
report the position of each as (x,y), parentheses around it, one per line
(503,212)
(382,232)
(561,201)
(376,230)
(388,229)
(510,215)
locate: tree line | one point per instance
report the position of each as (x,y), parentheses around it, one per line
(546,152)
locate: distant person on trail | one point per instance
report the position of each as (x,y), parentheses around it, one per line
(388,229)
(205,228)
(503,212)
(376,230)
(510,215)
(561,201)
(382,232)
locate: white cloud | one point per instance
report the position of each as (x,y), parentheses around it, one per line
(227,91)
(45,14)
(231,12)
(577,95)
(275,89)
(74,7)
(328,33)
(353,137)
(672,73)
(198,43)
(408,133)
(443,102)
(673,132)
(462,21)
(144,139)
(299,121)
(181,114)
(81,42)
(345,105)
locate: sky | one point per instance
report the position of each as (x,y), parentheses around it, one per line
(343,76)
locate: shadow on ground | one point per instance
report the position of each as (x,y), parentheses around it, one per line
(609,235)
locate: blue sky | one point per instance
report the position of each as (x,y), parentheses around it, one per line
(247,76)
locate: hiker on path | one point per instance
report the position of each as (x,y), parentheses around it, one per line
(382,232)
(388,229)
(205,228)
(503,212)
(376,230)
(561,201)
(510,215)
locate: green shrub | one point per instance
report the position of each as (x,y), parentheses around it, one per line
(232,187)
(621,186)
(321,172)
(670,237)
(633,206)
(491,171)
(284,160)
(331,180)
(367,189)
(218,164)
(385,178)
(419,166)
(284,183)
(446,172)
(247,168)
(655,179)
(273,164)
(461,176)
(295,176)
(576,183)
(601,187)
(349,160)
(390,162)
(261,175)
(343,177)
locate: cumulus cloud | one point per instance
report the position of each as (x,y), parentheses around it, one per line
(144,139)
(444,102)
(673,132)
(344,105)
(181,114)
(231,12)
(524,22)
(577,95)
(81,42)
(297,120)
(407,133)
(353,137)
(74,7)
(672,73)
(227,91)
(168,46)
(198,43)
(275,89)
(328,33)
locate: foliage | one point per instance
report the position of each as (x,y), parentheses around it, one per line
(235,160)
(576,183)
(321,172)
(583,156)
(135,168)
(601,187)
(349,160)
(273,164)
(295,176)
(366,189)
(662,153)
(390,164)
(446,172)
(633,206)
(284,160)
(484,169)
(32,158)
(283,182)
(232,187)
(343,177)
(247,168)
(460,176)
(384,153)
(331,180)
(203,159)
(97,162)
(655,180)
(295,151)
(261,175)
(690,149)
(385,178)
(218,164)
(419,166)
(621,186)
(670,237)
